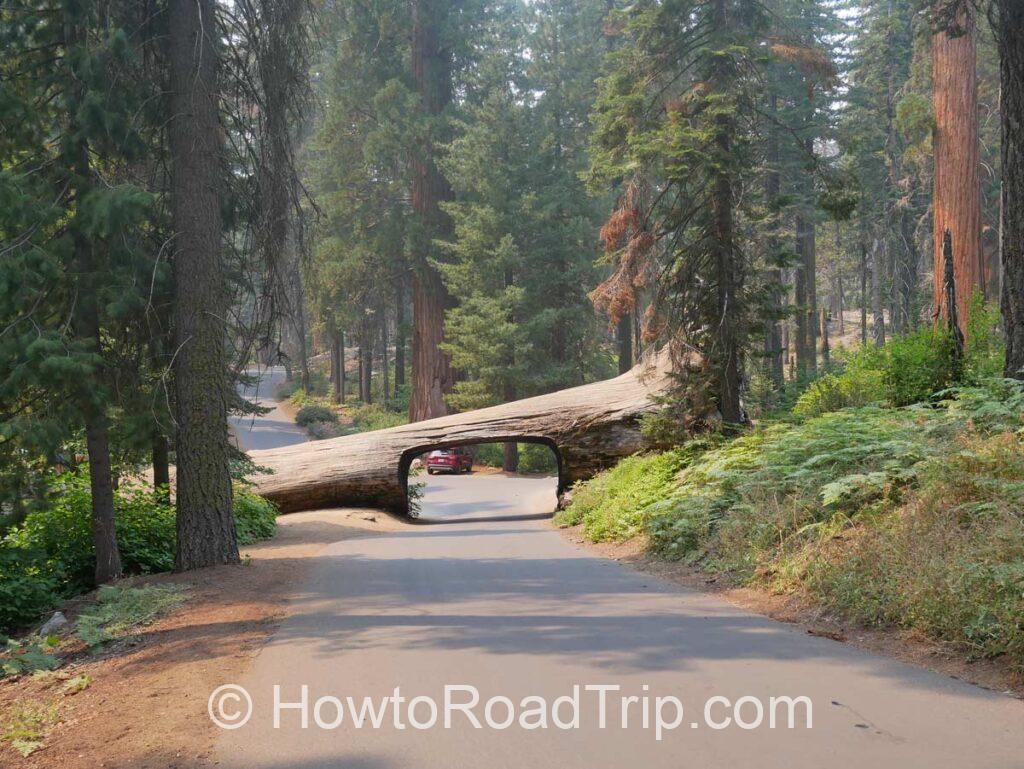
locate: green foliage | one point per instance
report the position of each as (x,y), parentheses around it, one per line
(890,516)
(50,555)
(950,563)
(907,369)
(534,458)
(255,517)
(370,417)
(984,348)
(314,412)
(919,365)
(26,723)
(613,505)
(28,656)
(120,609)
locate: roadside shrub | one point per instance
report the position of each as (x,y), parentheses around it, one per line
(255,517)
(612,505)
(50,555)
(373,417)
(315,412)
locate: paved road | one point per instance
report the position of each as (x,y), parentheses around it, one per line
(271,430)
(485,593)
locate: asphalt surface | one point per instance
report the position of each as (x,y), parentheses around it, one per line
(271,430)
(485,593)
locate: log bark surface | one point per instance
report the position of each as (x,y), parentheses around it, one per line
(588,427)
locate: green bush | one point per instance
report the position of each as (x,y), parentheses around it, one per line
(906,370)
(984,349)
(370,417)
(919,365)
(255,517)
(315,412)
(50,556)
(612,505)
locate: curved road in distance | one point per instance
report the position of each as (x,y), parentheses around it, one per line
(485,593)
(271,430)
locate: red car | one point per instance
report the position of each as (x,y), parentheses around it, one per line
(449,461)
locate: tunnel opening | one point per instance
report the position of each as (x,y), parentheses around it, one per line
(535,460)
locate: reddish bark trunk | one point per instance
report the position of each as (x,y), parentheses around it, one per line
(433,377)
(957,198)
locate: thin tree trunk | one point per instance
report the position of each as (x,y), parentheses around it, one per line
(957,196)
(825,351)
(725,360)
(863,294)
(341,365)
(337,366)
(205,523)
(87,329)
(878,262)
(624,337)
(801,300)
(161,466)
(1010,39)
(773,345)
(400,330)
(432,74)
(385,379)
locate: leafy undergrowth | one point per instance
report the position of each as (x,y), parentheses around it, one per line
(910,517)
(24,725)
(50,556)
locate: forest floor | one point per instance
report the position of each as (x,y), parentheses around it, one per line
(905,646)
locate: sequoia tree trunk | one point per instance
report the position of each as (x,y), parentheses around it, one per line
(1010,39)
(205,524)
(957,196)
(433,377)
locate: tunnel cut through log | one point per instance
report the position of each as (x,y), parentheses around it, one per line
(589,428)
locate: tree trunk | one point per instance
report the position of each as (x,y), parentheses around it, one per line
(800,298)
(725,357)
(384,373)
(624,337)
(957,197)
(432,73)
(366,369)
(1010,39)
(825,351)
(863,294)
(87,329)
(337,366)
(400,331)
(206,526)
(773,345)
(161,467)
(341,365)
(877,305)
(590,428)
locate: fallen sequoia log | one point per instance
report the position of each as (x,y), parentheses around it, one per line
(589,428)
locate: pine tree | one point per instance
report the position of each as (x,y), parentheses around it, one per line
(206,527)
